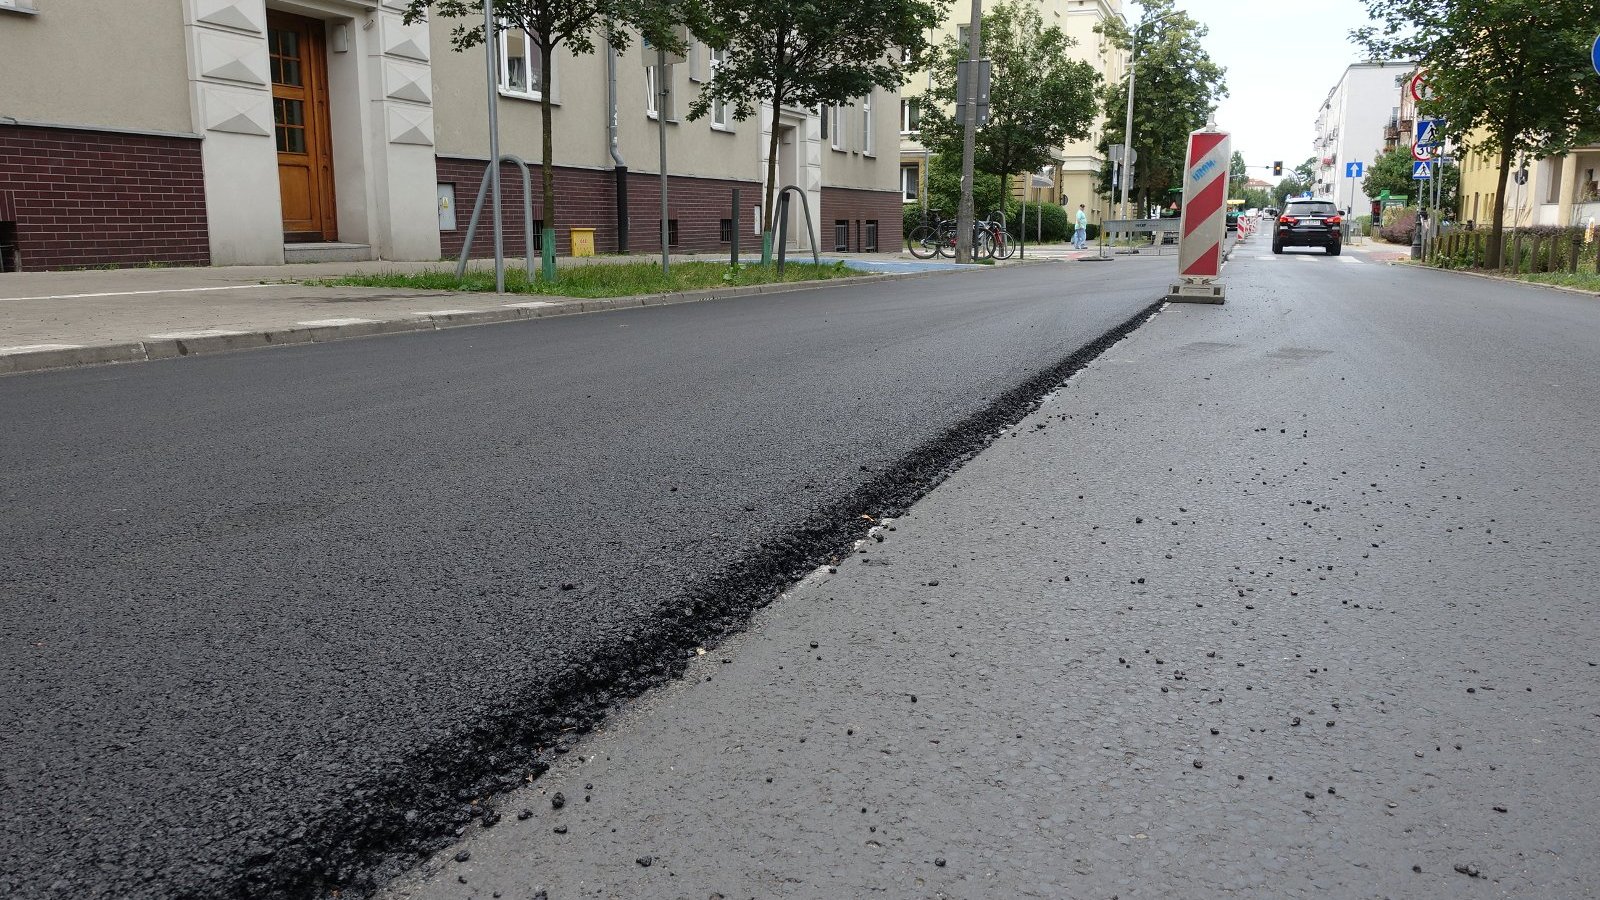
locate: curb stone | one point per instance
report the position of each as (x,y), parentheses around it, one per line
(172,348)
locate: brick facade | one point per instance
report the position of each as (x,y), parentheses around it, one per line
(586,198)
(90,198)
(855,209)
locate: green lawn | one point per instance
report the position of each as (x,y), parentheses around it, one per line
(1586,281)
(597,280)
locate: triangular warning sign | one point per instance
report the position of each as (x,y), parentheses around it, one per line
(1422,169)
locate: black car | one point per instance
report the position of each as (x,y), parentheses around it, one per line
(1309,223)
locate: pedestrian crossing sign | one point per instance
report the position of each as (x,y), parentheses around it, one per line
(1427,132)
(1422,169)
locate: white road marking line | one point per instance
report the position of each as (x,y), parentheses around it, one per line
(227,287)
(1350,259)
(35,348)
(328,323)
(200,333)
(445,312)
(531,304)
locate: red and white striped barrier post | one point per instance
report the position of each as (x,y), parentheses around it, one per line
(1204,225)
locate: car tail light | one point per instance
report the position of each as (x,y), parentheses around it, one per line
(1333,220)
(1288,220)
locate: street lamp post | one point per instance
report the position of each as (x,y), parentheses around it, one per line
(1127,128)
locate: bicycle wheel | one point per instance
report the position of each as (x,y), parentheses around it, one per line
(947,242)
(923,242)
(1004,246)
(982,245)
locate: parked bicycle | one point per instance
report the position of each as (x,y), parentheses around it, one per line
(989,239)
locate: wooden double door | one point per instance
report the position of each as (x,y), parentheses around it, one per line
(297,49)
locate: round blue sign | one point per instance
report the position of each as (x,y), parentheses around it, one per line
(1594,54)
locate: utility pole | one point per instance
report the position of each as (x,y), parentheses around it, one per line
(965,214)
(1127,128)
(663,76)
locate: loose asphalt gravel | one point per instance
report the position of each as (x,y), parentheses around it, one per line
(1290,598)
(276,621)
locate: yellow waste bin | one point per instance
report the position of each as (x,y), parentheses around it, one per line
(583,242)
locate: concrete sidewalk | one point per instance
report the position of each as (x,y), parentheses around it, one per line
(56,319)
(1277,599)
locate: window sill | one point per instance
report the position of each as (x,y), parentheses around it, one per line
(531,98)
(25,9)
(722,128)
(655,118)
(869,155)
(839,149)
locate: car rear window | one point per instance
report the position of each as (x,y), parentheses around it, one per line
(1311,209)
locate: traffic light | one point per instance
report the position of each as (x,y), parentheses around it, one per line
(1277,168)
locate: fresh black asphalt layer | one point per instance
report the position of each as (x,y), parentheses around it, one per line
(277,622)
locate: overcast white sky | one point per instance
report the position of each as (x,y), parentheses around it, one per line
(1274,93)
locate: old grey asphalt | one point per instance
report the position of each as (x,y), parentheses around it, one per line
(272,615)
(1288,598)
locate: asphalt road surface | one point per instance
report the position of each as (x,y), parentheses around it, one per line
(269,617)
(1289,598)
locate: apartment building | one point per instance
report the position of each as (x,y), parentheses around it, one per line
(266,131)
(1353,126)
(1562,189)
(1074,172)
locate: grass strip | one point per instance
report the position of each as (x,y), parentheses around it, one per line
(599,280)
(1583,281)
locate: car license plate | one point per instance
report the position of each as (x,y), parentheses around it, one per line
(1311,221)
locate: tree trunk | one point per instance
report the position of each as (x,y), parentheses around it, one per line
(547,172)
(1497,227)
(768,207)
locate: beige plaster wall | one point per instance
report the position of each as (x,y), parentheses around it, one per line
(579,119)
(852,167)
(107,63)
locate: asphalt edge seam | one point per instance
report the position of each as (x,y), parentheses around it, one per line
(419,807)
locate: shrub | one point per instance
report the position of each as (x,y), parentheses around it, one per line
(1364,226)
(1053,222)
(1399,228)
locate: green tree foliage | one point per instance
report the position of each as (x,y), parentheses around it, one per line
(1178,88)
(1292,186)
(1039,97)
(1237,174)
(944,186)
(1509,77)
(572,24)
(1255,198)
(808,53)
(1392,172)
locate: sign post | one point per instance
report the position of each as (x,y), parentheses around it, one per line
(1352,171)
(1204,223)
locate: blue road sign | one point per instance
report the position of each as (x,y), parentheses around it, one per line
(1421,169)
(1428,131)
(1594,54)
(1352,169)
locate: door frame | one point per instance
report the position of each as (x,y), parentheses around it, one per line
(319,130)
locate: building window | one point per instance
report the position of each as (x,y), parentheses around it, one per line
(672,232)
(538,235)
(841,234)
(909,183)
(725,231)
(651,97)
(868,145)
(910,115)
(871,244)
(519,64)
(719,108)
(838,126)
